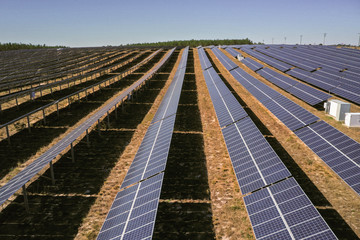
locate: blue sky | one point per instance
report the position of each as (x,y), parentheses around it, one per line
(81,23)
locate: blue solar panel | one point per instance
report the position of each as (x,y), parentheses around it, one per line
(133,212)
(277,78)
(254,161)
(228,64)
(152,155)
(300,90)
(204,60)
(291,114)
(283,211)
(269,60)
(260,90)
(227,108)
(252,64)
(170,101)
(338,151)
(232,51)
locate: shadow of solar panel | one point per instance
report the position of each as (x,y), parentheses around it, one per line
(338,151)
(228,64)
(152,154)
(283,210)
(204,61)
(133,212)
(254,161)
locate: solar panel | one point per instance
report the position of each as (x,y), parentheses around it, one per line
(291,114)
(152,155)
(133,212)
(170,101)
(204,60)
(32,169)
(252,64)
(232,51)
(227,108)
(269,60)
(254,161)
(338,151)
(228,64)
(300,90)
(283,211)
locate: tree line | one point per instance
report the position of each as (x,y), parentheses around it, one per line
(17,46)
(195,43)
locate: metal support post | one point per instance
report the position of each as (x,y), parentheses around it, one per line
(44,116)
(26,201)
(52,173)
(7,134)
(72,153)
(57,109)
(28,122)
(87,138)
(99,127)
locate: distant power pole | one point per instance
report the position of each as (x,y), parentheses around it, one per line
(272,40)
(324,38)
(300,39)
(285,39)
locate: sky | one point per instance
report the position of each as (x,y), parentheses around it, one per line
(86,23)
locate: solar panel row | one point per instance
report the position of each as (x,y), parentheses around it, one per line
(133,213)
(288,112)
(281,210)
(228,64)
(334,85)
(298,89)
(269,60)
(338,73)
(204,60)
(232,52)
(252,64)
(338,151)
(170,102)
(32,169)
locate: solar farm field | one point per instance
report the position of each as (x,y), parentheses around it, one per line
(228,142)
